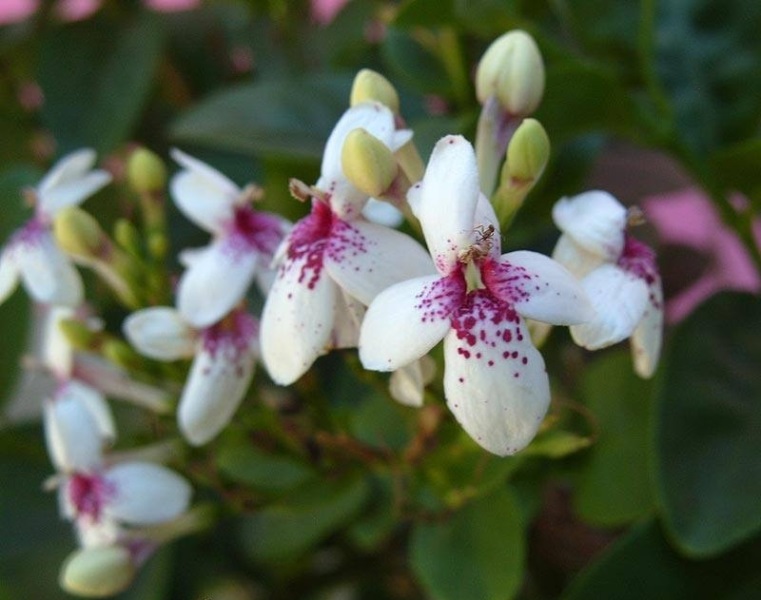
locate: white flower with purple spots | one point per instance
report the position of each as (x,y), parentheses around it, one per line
(244,241)
(618,273)
(495,380)
(224,356)
(334,261)
(31,255)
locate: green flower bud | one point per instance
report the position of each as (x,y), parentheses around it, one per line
(128,237)
(146,172)
(78,233)
(77,333)
(369,85)
(528,152)
(122,355)
(97,572)
(512,70)
(368,163)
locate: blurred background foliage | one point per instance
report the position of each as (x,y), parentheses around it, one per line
(645,490)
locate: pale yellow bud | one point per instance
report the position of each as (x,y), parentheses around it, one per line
(512,70)
(371,86)
(146,172)
(78,233)
(368,163)
(528,152)
(97,572)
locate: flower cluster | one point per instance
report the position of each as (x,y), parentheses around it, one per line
(336,279)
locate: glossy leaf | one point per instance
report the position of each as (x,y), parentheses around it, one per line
(613,480)
(643,565)
(265,472)
(707,442)
(477,553)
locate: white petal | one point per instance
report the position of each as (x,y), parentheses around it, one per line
(297,320)
(619,300)
(217,279)
(57,353)
(575,258)
(647,336)
(495,380)
(216,385)
(71,193)
(365,258)
(382,213)
(47,273)
(161,333)
(9,273)
(538,287)
(72,433)
(486,226)
(347,320)
(97,533)
(97,406)
(407,384)
(408,319)
(145,493)
(202,193)
(595,220)
(68,168)
(448,199)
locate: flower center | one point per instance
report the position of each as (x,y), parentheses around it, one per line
(88,494)
(253,230)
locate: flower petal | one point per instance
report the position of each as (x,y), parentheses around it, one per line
(595,220)
(71,193)
(408,319)
(383,213)
(216,385)
(47,273)
(216,280)
(347,320)
(161,333)
(575,258)
(297,320)
(407,384)
(97,406)
(68,168)
(619,300)
(57,353)
(365,258)
(495,380)
(447,203)
(538,287)
(9,273)
(145,493)
(647,336)
(203,194)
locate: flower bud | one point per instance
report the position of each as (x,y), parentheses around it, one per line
(368,163)
(512,70)
(78,233)
(97,572)
(527,153)
(77,333)
(369,85)
(146,172)
(128,237)
(122,355)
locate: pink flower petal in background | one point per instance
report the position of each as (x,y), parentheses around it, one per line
(324,11)
(172,5)
(76,10)
(688,218)
(14,11)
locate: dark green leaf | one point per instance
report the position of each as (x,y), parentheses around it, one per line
(414,64)
(613,482)
(286,530)
(265,472)
(380,422)
(425,13)
(476,554)
(643,565)
(291,117)
(96,78)
(707,442)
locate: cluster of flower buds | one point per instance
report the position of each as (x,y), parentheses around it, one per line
(341,277)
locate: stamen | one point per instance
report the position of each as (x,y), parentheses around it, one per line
(635,216)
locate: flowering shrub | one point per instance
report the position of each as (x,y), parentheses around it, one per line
(238,317)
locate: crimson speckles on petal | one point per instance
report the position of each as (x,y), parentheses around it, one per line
(307,242)
(441,298)
(512,283)
(89,493)
(251,230)
(346,241)
(639,259)
(231,338)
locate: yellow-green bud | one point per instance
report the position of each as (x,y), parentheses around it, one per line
(368,163)
(146,172)
(127,236)
(121,354)
(77,333)
(369,85)
(528,152)
(512,70)
(97,572)
(78,233)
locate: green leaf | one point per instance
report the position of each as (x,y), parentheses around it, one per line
(613,480)
(96,77)
(643,565)
(381,422)
(265,472)
(556,444)
(414,64)
(708,418)
(477,553)
(291,117)
(286,530)
(425,13)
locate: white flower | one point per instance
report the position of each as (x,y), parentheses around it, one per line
(224,356)
(244,240)
(618,273)
(495,380)
(334,262)
(31,254)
